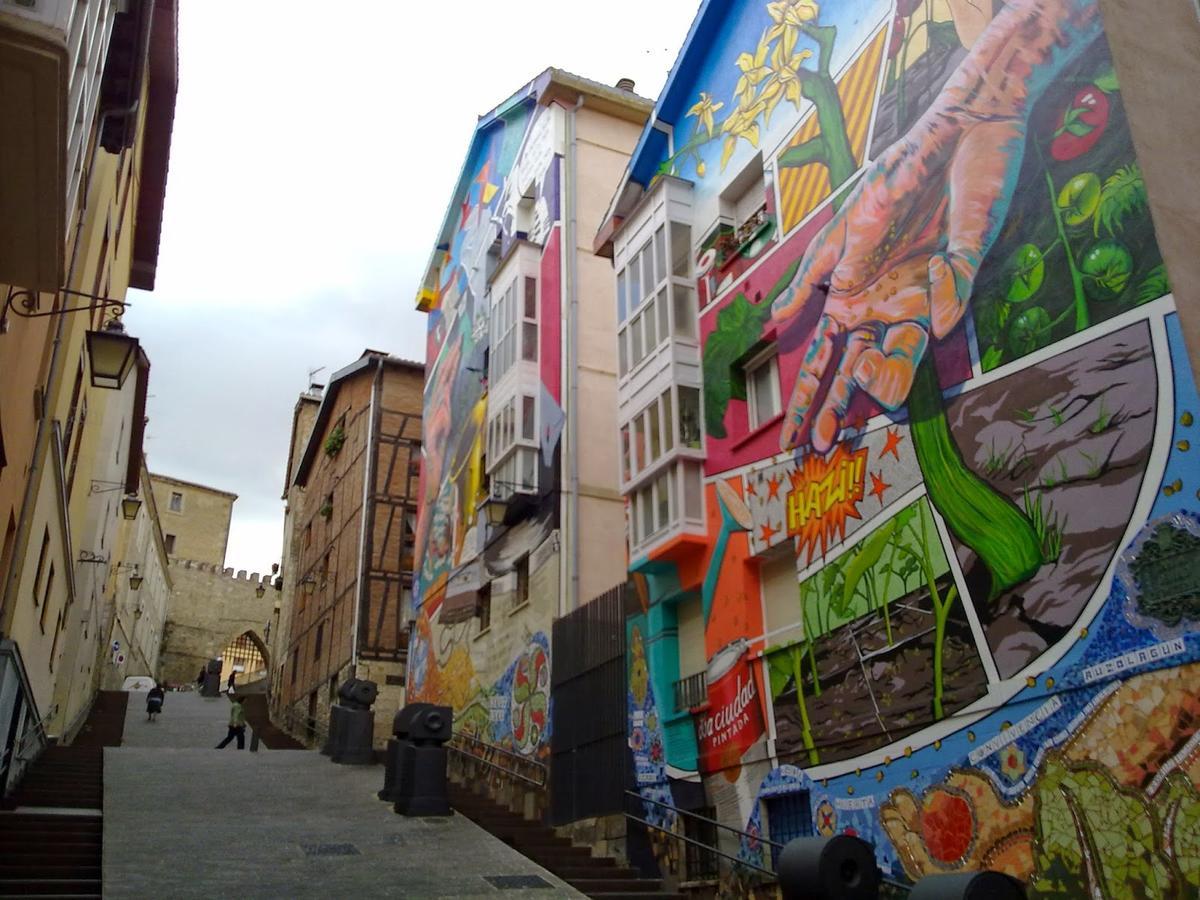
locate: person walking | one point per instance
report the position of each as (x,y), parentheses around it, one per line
(229,684)
(237,725)
(154,701)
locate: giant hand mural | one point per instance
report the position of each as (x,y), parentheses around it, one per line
(963,559)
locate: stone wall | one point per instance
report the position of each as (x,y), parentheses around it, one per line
(209,607)
(199,528)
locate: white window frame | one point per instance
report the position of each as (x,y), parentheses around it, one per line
(762,364)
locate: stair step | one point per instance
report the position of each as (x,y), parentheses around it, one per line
(26,870)
(42,886)
(614,885)
(572,872)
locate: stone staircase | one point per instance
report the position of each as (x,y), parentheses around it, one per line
(596,876)
(51,828)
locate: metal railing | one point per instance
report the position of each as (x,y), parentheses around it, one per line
(691,691)
(888,887)
(303,727)
(696,817)
(32,738)
(522,768)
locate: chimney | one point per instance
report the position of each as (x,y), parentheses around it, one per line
(625,84)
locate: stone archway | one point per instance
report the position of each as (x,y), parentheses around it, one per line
(248,656)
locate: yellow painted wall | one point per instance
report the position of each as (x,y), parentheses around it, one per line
(201,526)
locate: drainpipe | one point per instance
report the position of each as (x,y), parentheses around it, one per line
(570,357)
(368,481)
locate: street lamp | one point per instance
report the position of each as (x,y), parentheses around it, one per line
(113,355)
(130,504)
(135,577)
(309,584)
(260,590)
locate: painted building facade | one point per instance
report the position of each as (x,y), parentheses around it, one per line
(907,432)
(520,519)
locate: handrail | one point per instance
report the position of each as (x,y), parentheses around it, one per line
(770,843)
(706,819)
(33,727)
(701,844)
(296,723)
(538,768)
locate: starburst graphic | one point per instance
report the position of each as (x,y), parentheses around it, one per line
(878,486)
(892,445)
(773,488)
(825,494)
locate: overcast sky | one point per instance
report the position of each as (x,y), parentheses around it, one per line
(311,163)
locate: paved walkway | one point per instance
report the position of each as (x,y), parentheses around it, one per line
(183,820)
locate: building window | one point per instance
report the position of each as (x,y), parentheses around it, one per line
(513,315)
(176,504)
(762,387)
(317,645)
(295,663)
(325,567)
(37,574)
(169,544)
(689,417)
(522,595)
(54,644)
(308,534)
(46,598)
(484,609)
(669,500)
(788,817)
(701,861)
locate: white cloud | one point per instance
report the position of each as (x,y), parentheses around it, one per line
(314,149)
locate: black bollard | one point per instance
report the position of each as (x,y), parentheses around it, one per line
(401,724)
(840,867)
(424,790)
(335,714)
(984,885)
(388,791)
(352,741)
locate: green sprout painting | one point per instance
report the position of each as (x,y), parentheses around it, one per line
(901,564)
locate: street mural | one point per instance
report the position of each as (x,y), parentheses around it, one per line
(499,689)
(982,465)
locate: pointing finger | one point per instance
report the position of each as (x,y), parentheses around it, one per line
(808,381)
(828,422)
(888,375)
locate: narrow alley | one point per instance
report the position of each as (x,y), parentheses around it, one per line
(184,820)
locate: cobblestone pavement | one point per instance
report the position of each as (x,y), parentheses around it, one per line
(184,820)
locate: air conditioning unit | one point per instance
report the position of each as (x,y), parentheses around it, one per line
(52,55)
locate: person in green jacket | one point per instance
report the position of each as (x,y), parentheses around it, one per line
(237,725)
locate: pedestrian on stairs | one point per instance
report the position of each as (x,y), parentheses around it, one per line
(154,701)
(237,725)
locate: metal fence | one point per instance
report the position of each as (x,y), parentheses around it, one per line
(589,710)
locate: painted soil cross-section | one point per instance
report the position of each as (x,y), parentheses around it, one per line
(908,437)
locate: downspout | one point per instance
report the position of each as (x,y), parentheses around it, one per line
(570,243)
(368,480)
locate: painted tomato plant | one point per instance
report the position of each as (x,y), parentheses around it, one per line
(1082,123)
(1094,253)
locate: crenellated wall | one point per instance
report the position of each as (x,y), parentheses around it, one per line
(209,607)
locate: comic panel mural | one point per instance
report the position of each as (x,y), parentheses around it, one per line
(951,491)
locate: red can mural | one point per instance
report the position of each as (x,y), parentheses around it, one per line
(733,720)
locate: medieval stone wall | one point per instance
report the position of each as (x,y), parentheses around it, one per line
(209,607)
